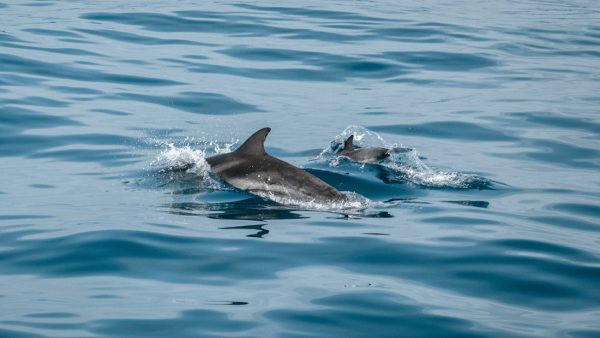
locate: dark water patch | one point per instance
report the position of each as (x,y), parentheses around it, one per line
(316,35)
(17,119)
(559,153)
(476,204)
(375,113)
(18,80)
(558,70)
(567,222)
(228,302)
(345,66)
(365,185)
(37,101)
(138,39)
(523,49)
(5,37)
(250,209)
(51,32)
(177,23)
(584,333)
(444,83)
(244,25)
(134,62)
(76,90)
(19,65)
(105,297)
(592,210)
(447,129)
(183,62)
(346,314)
(233,16)
(195,57)
(195,102)
(50,326)
(3,5)
(258,230)
(331,67)
(110,112)
(38,4)
(421,34)
(586,42)
(20,217)
(67,51)
(42,186)
(251,27)
(291,74)
(52,315)
(19,334)
(442,60)
(189,324)
(275,54)
(316,13)
(347,26)
(71,40)
(580,53)
(558,121)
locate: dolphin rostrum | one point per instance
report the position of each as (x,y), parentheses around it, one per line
(367,155)
(251,169)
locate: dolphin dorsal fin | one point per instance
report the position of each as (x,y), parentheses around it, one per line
(255,144)
(348,145)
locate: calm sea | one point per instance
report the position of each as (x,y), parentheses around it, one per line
(112,226)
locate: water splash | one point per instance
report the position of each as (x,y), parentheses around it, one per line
(354,202)
(185,162)
(184,167)
(403,166)
(363,137)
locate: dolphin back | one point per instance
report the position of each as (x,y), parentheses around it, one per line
(251,169)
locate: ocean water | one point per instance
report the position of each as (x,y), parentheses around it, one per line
(112,225)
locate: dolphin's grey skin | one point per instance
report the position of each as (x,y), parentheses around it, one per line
(251,169)
(363,155)
(367,155)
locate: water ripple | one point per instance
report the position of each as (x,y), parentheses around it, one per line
(112,225)
(20,65)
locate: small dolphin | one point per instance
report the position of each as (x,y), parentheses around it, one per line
(367,155)
(251,169)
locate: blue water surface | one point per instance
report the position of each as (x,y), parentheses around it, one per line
(112,226)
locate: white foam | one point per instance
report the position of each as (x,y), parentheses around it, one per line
(403,166)
(354,202)
(174,158)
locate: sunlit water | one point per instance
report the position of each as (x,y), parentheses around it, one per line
(112,225)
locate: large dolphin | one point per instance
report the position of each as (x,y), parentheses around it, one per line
(251,169)
(367,155)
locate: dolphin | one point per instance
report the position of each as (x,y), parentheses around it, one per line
(367,155)
(251,169)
